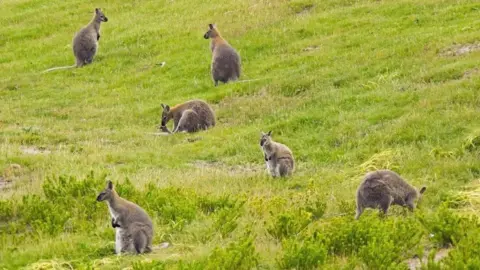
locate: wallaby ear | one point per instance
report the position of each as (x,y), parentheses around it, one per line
(97,10)
(167,108)
(163,105)
(269,133)
(110,185)
(211,26)
(423,190)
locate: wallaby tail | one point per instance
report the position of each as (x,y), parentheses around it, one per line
(57,68)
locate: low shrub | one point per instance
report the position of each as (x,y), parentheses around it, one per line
(240,254)
(307,254)
(289,223)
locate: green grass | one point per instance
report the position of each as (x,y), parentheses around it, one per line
(350,86)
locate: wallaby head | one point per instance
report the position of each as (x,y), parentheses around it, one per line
(166,116)
(212,32)
(265,138)
(99,16)
(107,193)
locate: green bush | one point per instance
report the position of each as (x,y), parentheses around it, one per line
(289,224)
(225,221)
(210,204)
(147,265)
(240,255)
(466,254)
(446,227)
(68,205)
(307,254)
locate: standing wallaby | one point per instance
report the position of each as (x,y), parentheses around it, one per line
(85,42)
(190,116)
(225,59)
(278,157)
(134,229)
(382,188)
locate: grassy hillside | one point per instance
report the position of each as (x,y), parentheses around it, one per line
(350,86)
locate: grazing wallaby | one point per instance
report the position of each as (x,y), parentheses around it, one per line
(278,157)
(134,229)
(85,42)
(190,116)
(225,59)
(382,188)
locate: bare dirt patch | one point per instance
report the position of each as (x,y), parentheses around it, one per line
(310,48)
(470,73)
(416,263)
(11,172)
(5,183)
(33,150)
(460,49)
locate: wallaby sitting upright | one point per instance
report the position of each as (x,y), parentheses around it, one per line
(225,59)
(190,116)
(278,157)
(382,188)
(134,229)
(85,42)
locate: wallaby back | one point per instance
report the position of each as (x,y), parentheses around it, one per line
(380,189)
(225,59)
(190,116)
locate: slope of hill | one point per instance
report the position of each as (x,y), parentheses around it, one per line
(350,86)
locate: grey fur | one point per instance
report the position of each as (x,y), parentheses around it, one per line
(382,188)
(278,157)
(133,226)
(226,63)
(191,116)
(85,42)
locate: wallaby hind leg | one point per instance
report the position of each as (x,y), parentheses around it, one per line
(359,211)
(79,62)
(140,241)
(188,122)
(385,203)
(284,169)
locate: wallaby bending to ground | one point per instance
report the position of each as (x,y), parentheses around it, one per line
(191,116)
(225,59)
(85,42)
(382,188)
(278,157)
(134,229)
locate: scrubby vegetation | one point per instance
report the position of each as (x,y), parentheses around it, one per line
(349,86)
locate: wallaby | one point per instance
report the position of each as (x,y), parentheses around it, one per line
(191,116)
(134,229)
(382,188)
(278,157)
(225,59)
(85,42)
